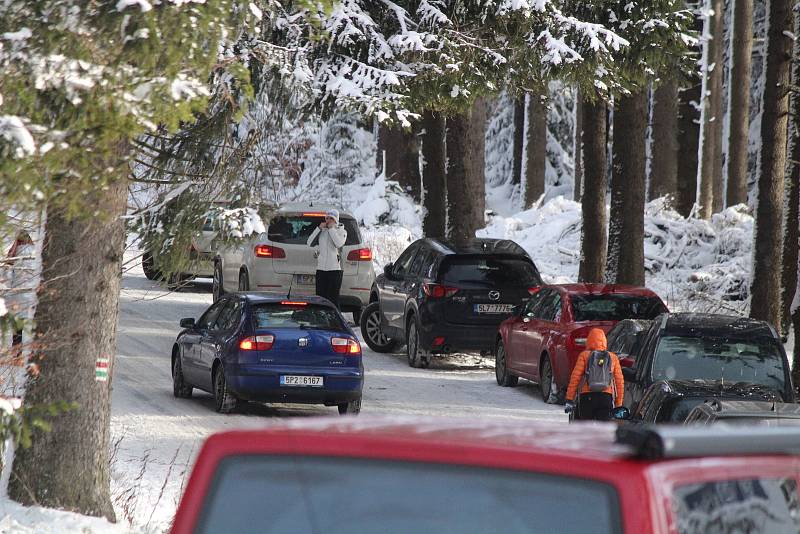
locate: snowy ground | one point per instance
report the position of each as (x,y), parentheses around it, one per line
(693,265)
(155,436)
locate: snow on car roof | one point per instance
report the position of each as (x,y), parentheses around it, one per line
(585,439)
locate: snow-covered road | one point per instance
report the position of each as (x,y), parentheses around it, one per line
(156,436)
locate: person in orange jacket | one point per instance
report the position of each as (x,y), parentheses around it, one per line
(595,405)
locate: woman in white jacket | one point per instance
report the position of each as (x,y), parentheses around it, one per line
(332,237)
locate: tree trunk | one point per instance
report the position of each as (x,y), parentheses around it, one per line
(791,230)
(738,140)
(536,150)
(519,140)
(76,323)
(665,155)
(791,245)
(625,262)
(434,175)
(593,203)
(577,148)
(402,158)
(710,195)
(766,285)
(690,98)
(466,182)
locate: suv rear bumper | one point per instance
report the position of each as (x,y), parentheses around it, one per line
(458,338)
(354,293)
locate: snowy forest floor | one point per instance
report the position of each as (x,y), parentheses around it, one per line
(694,265)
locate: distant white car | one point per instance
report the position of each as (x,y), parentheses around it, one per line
(201,256)
(280,261)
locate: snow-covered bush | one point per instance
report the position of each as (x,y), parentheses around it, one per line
(694,265)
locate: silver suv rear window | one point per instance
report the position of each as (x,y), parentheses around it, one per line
(295,229)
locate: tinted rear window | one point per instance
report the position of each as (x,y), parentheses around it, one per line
(268,316)
(490,272)
(295,229)
(615,307)
(325,495)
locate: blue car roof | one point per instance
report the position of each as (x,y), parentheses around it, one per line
(266,296)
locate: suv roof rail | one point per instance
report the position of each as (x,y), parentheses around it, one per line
(657,442)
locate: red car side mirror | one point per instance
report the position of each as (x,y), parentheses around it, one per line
(626,361)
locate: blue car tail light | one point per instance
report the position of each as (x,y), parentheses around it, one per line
(344,345)
(257,342)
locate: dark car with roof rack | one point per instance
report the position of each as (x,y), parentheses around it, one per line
(471,476)
(722,349)
(672,401)
(441,297)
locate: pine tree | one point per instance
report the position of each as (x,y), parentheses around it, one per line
(535,149)
(466,182)
(434,175)
(577,150)
(742,48)
(711,198)
(625,263)
(593,204)
(401,149)
(665,154)
(765,288)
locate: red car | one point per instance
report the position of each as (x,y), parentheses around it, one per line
(543,339)
(439,475)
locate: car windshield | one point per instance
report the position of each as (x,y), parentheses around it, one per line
(757,361)
(491,272)
(325,495)
(295,229)
(614,307)
(276,315)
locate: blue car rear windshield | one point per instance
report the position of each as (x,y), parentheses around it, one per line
(302,494)
(276,315)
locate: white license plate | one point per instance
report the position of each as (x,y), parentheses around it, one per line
(305,279)
(302,381)
(493,308)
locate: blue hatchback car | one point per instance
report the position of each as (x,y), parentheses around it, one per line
(262,347)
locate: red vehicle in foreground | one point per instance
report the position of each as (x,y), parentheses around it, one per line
(542,340)
(438,475)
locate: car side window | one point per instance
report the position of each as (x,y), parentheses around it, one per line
(617,340)
(550,308)
(211,314)
(229,316)
(420,262)
(738,505)
(537,302)
(645,357)
(403,264)
(530,304)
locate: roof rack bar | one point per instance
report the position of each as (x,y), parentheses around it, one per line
(654,442)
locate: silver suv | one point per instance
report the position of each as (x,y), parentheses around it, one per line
(280,261)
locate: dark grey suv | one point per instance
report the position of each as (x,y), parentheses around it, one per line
(441,297)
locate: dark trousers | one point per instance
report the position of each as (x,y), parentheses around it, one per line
(329,284)
(595,406)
